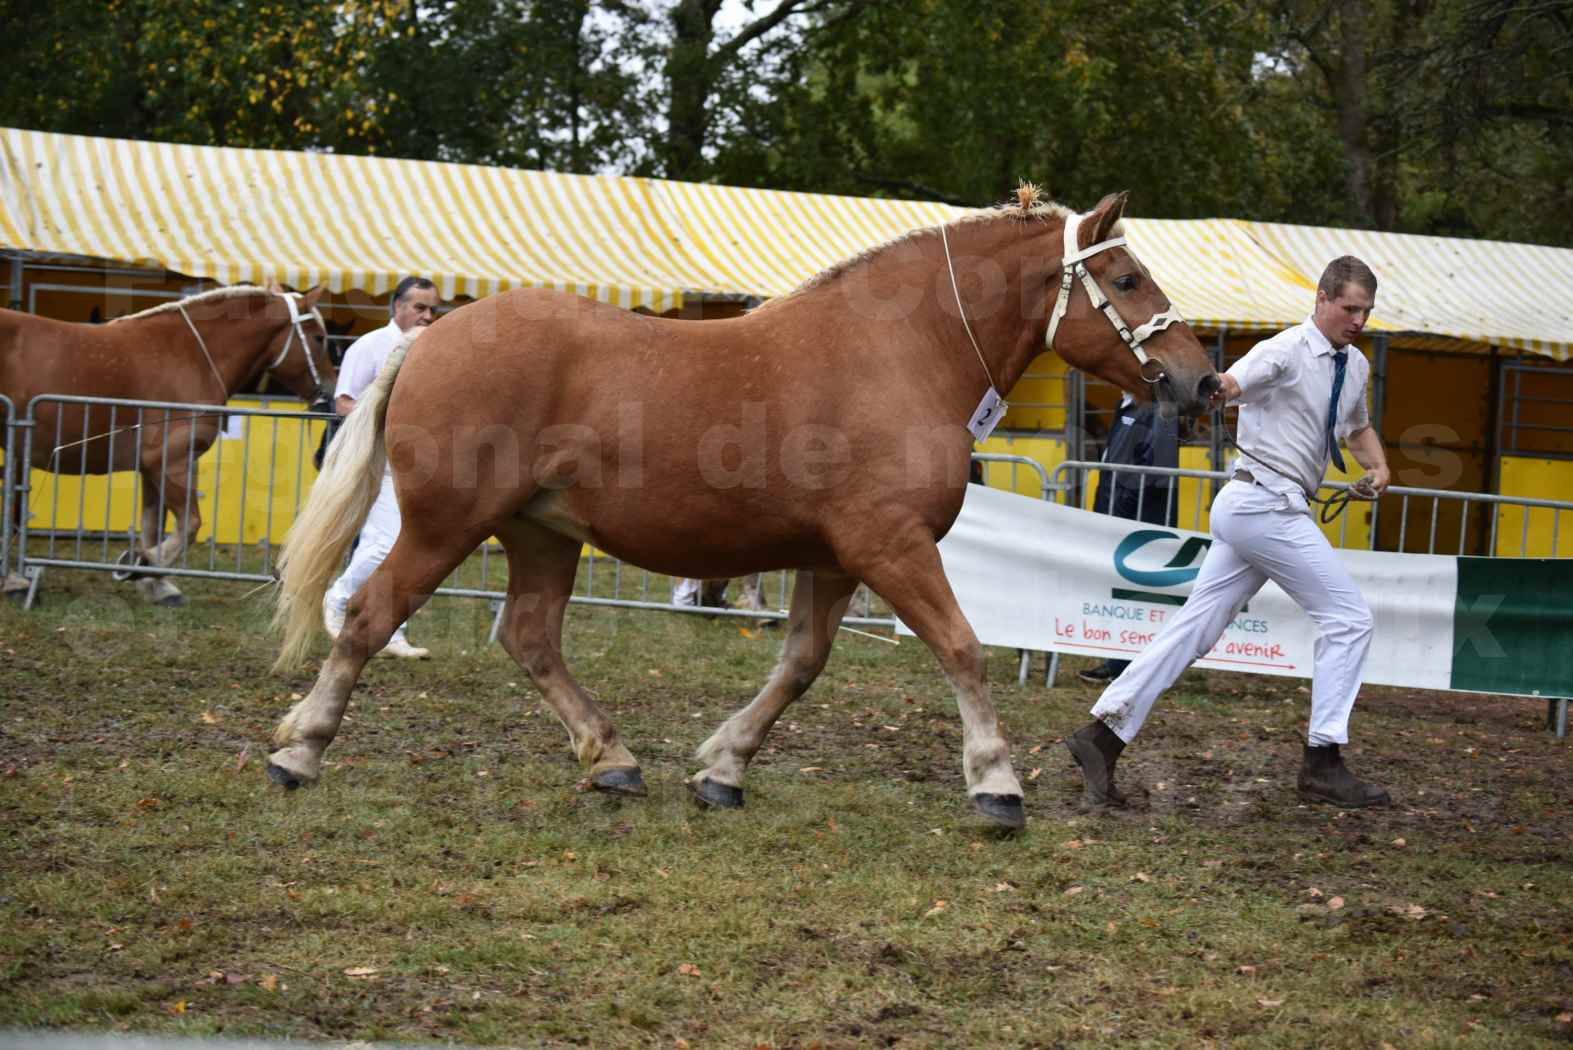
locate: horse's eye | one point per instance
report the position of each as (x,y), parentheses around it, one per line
(1126,283)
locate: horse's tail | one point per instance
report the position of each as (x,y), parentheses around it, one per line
(337,507)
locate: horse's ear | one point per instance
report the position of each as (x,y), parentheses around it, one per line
(275,287)
(309,300)
(1105,215)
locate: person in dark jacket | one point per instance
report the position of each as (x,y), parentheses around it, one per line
(1139,437)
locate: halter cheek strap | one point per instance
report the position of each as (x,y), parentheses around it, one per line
(1074,265)
(297,320)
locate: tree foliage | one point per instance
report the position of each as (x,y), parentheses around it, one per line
(1444,116)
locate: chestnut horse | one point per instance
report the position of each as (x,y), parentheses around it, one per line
(826,431)
(196,350)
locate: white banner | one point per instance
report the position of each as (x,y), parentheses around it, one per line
(1030,574)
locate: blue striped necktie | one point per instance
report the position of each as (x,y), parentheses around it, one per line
(1340,358)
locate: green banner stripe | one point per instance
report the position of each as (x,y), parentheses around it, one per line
(1513,626)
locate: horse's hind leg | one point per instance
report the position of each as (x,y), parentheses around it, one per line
(819,600)
(542,565)
(413,569)
(173,491)
(905,570)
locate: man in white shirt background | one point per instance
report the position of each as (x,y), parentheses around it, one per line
(414,305)
(1300,392)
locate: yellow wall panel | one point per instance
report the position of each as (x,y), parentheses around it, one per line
(1548,533)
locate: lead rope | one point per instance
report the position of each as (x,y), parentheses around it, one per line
(1332,506)
(962,311)
(203,346)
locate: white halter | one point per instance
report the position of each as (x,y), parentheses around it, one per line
(296,319)
(1074,263)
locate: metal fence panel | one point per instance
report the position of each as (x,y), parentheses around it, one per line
(8,496)
(1508,516)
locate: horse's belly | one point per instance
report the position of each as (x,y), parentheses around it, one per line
(678,542)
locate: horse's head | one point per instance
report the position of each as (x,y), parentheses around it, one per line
(298,353)
(1112,319)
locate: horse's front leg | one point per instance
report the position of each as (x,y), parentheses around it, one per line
(903,567)
(819,600)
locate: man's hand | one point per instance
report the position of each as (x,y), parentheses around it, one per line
(1228,390)
(1375,481)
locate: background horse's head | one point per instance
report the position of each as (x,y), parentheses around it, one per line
(1112,319)
(297,353)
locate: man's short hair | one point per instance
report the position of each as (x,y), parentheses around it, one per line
(407,285)
(1346,269)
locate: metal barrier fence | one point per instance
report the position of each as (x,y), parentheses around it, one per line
(248,488)
(1403,501)
(7,482)
(254,480)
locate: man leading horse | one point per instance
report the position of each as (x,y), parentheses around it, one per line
(1300,392)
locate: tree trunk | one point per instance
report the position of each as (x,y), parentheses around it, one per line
(1350,95)
(689,77)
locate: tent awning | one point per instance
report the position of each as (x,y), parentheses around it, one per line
(363,222)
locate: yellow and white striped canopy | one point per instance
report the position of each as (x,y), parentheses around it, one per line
(362,222)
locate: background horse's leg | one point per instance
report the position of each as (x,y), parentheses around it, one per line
(413,569)
(819,600)
(542,565)
(163,486)
(907,573)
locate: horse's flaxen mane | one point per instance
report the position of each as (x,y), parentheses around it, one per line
(230,292)
(1029,204)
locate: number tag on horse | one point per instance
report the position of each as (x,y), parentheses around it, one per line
(987,415)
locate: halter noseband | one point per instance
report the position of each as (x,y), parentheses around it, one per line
(1074,263)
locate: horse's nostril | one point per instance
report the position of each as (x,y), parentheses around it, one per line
(1209,386)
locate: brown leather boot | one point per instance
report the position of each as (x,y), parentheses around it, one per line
(1096,748)
(1325,778)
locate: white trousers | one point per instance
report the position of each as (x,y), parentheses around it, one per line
(376,540)
(1257,536)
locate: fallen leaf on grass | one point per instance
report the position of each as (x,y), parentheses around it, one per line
(1247,970)
(1334,903)
(1268,1004)
(1036,773)
(689,970)
(1400,843)
(210,718)
(178,1007)
(1074,890)
(1141,876)
(1565,1018)
(812,769)
(270,983)
(1003,887)
(245,756)
(362,972)
(1072,844)
(938,907)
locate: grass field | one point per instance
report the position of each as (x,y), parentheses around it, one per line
(449,881)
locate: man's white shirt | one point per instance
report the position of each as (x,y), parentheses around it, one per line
(1286,383)
(364,359)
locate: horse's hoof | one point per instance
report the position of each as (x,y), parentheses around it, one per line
(283,777)
(171,601)
(711,795)
(1003,810)
(620,781)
